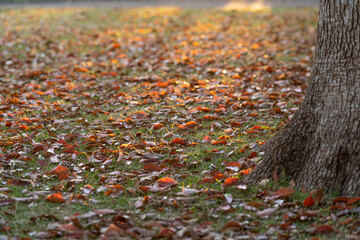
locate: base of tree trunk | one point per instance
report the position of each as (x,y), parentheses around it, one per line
(300,152)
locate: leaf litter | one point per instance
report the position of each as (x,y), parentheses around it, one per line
(142,123)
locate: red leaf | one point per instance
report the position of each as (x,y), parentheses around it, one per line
(166,182)
(253,154)
(309,201)
(352,200)
(324,229)
(340,199)
(179,141)
(158,126)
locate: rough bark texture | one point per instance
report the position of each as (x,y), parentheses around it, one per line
(320,146)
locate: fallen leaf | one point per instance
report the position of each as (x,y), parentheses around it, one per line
(231,181)
(166,182)
(206,139)
(55,198)
(352,200)
(266,213)
(151,167)
(191,124)
(233,166)
(324,229)
(284,192)
(309,201)
(60,171)
(179,141)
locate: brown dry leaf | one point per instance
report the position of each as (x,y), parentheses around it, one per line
(151,167)
(266,213)
(284,192)
(323,229)
(179,141)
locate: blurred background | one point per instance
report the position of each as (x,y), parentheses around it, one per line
(180,3)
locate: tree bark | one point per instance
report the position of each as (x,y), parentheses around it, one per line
(320,146)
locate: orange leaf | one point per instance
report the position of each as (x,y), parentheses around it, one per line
(114,190)
(23,127)
(166,182)
(81,70)
(191,124)
(231,181)
(309,201)
(55,198)
(181,127)
(179,141)
(223,137)
(60,171)
(256,127)
(206,139)
(246,171)
(129,121)
(158,126)
(284,192)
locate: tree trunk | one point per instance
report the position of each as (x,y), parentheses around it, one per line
(320,146)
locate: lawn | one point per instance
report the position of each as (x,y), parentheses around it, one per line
(143,123)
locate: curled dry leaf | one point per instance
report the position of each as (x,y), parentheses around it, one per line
(284,192)
(231,181)
(324,229)
(114,190)
(233,166)
(179,141)
(151,167)
(166,182)
(206,139)
(158,126)
(191,124)
(246,171)
(266,213)
(187,191)
(352,200)
(55,198)
(60,171)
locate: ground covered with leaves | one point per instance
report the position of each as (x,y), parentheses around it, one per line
(143,123)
